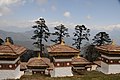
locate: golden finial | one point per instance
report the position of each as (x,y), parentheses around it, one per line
(78,56)
(7,42)
(62,42)
(39,55)
(113,42)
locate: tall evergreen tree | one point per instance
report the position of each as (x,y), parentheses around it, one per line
(60,31)
(101,38)
(81,33)
(41,32)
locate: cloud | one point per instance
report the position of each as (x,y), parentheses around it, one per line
(15,23)
(28,23)
(25,25)
(67,14)
(71,25)
(7,2)
(5,5)
(106,27)
(4,10)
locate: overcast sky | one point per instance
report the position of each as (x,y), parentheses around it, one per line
(19,15)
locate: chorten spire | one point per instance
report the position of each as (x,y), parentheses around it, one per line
(62,42)
(113,42)
(39,55)
(7,42)
(78,56)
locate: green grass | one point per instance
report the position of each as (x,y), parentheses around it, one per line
(93,75)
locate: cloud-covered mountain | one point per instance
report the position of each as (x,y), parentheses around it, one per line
(24,38)
(112,30)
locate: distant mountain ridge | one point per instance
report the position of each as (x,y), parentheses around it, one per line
(24,38)
(15,36)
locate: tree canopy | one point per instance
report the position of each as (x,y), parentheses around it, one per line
(90,53)
(81,33)
(41,32)
(60,31)
(101,38)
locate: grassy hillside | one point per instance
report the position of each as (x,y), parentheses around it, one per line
(93,75)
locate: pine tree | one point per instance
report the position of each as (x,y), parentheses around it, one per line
(101,38)
(81,33)
(60,31)
(41,32)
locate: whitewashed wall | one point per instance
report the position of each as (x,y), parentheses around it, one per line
(114,68)
(52,73)
(94,67)
(61,72)
(104,68)
(11,74)
(62,60)
(98,69)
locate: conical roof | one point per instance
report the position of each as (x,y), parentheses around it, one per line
(109,49)
(38,62)
(11,50)
(79,60)
(62,49)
